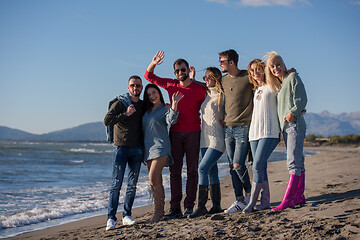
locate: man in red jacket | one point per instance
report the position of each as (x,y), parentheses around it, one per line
(185,134)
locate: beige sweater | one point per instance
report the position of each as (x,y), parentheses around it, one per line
(212,132)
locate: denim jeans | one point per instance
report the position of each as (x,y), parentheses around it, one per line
(237,148)
(208,169)
(294,141)
(261,150)
(132,156)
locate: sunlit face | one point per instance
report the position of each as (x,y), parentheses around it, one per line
(209,81)
(135,87)
(257,72)
(153,95)
(224,64)
(181,72)
(277,67)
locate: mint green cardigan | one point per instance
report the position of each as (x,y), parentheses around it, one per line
(292,98)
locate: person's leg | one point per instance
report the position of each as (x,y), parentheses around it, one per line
(177,151)
(291,141)
(155,167)
(230,150)
(192,148)
(241,135)
(119,166)
(134,163)
(215,191)
(261,150)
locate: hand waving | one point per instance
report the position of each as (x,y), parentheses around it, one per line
(176,97)
(157,60)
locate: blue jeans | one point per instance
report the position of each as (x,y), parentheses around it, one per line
(208,169)
(237,148)
(133,157)
(294,141)
(261,150)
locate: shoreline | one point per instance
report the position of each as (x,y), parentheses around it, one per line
(94,227)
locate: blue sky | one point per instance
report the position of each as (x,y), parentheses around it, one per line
(62,61)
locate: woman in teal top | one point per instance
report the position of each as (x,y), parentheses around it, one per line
(292,100)
(156,141)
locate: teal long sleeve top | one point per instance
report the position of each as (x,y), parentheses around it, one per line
(292,98)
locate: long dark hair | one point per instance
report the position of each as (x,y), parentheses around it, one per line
(149,104)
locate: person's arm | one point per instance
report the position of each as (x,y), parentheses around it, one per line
(157,60)
(171,117)
(118,113)
(299,98)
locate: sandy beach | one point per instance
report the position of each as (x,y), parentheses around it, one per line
(332,210)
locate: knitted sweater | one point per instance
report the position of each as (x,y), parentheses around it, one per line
(292,98)
(264,121)
(212,132)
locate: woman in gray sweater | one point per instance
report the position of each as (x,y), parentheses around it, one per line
(156,141)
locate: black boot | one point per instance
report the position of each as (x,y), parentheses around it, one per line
(202,199)
(215,194)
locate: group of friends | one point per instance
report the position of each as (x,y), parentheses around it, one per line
(241,110)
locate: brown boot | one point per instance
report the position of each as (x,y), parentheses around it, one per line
(159,203)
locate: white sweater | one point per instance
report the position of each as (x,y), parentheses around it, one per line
(264,121)
(212,132)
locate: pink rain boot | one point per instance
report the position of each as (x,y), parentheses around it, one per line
(291,189)
(300,198)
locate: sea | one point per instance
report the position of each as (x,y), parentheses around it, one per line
(44,184)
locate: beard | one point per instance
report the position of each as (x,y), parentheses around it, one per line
(135,93)
(183,77)
(224,71)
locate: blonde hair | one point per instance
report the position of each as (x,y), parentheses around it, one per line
(274,82)
(215,74)
(261,65)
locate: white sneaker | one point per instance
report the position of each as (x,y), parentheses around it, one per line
(237,206)
(247,198)
(110,225)
(127,220)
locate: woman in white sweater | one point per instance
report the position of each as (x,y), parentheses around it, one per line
(212,143)
(263,134)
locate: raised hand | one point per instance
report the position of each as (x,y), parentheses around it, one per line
(176,97)
(192,72)
(157,59)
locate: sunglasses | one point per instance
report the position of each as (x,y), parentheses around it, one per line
(206,78)
(258,95)
(222,61)
(135,85)
(178,70)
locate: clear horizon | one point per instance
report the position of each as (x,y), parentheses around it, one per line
(63,61)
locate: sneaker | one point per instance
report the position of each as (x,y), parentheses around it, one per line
(110,224)
(174,213)
(247,198)
(188,211)
(127,220)
(237,206)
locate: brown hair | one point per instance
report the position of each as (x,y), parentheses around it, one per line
(231,55)
(215,74)
(180,61)
(260,64)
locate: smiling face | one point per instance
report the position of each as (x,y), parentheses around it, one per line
(210,82)
(153,96)
(257,72)
(135,87)
(224,64)
(277,67)
(181,71)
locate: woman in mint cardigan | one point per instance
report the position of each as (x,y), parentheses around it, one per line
(292,100)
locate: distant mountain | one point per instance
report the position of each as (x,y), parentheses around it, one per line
(328,124)
(324,124)
(86,132)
